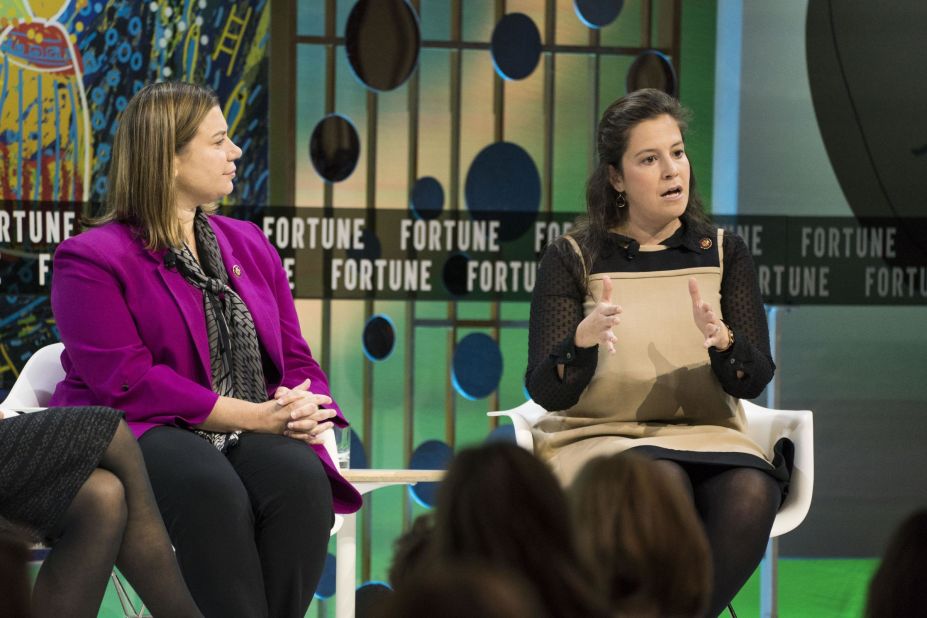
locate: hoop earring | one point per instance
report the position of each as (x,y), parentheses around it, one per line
(621,201)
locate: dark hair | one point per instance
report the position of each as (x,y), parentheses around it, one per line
(463,590)
(612,137)
(501,505)
(897,588)
(411,550)
(642,537)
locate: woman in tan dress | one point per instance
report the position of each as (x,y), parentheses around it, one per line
(647,328)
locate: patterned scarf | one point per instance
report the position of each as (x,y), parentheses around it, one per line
(234,352)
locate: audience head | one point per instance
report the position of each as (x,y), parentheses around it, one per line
(502,506)
(897,588)
(410,550)
(462,591)
(14,577)
(641,538)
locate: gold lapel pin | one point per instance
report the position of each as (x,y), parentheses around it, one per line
(705,243)
(236,270)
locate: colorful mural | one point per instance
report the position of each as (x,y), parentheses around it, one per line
(67,68)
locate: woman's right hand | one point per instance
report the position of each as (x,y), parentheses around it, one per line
(276,417)
(596,328)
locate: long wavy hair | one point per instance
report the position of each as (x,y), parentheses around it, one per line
(159,121)
(612,137)
(501,506)
(641,538)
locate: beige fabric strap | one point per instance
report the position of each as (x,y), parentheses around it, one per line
(579,252)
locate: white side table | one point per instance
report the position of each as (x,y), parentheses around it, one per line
(365,481)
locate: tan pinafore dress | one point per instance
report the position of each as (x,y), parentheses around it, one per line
(658,391)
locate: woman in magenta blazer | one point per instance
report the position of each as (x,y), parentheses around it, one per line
(185,320)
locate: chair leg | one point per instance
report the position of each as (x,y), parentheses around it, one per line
(769,581)
(128,607)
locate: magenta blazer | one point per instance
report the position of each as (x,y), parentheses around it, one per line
(135,338)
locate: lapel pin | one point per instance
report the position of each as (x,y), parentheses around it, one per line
(705,243)
(236,270)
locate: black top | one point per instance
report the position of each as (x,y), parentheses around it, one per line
(557,309)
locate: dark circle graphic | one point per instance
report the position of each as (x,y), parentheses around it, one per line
(369,596)
(597,13)
(379,337)
(334,148)
(502,433)
(326,588)
(477,366)
(503,183)
(427,199)
(515,46)
(382,39)
(358,453)
(429,455)
(454,274)
(372,248)
(652,69)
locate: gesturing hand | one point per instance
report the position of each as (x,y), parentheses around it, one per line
(597,326)
(306,418)
(709,324)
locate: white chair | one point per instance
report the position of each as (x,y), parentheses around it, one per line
(765,427)
(31,392)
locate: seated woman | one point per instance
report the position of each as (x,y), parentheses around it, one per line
(185,320)
(626,353)
(641,538)
(74,479)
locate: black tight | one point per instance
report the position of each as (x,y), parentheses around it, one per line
(113,518)
(737,506)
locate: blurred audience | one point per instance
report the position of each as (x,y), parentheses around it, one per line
(501,506)
(411,549)
(14,577)
(463,590)
(641,538)
(897,588)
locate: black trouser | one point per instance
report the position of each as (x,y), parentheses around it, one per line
(250,527)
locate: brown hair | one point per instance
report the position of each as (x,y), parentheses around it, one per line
(897,588)
(157,124)
(612,137)
(500,505)
(642,536)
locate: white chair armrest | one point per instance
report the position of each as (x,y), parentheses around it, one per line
(523,418)
(766,427)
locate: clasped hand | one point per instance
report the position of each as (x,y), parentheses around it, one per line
(299,415)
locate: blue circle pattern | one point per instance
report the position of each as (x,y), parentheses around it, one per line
(326,587)
(477,366)
(504,182)
(427,199)
(358,453)
(380,335)
(429,455)
(515,46)
(597,13)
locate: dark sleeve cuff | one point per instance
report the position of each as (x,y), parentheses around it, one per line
(738,357)
(568,354)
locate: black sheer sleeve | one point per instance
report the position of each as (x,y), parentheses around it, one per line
(556,310)
(743,311)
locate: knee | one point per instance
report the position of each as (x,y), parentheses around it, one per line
(101,501)
(758,496)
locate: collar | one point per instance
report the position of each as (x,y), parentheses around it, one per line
(690,235)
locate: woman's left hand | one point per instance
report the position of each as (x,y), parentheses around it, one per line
(307,421)
(709,324)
